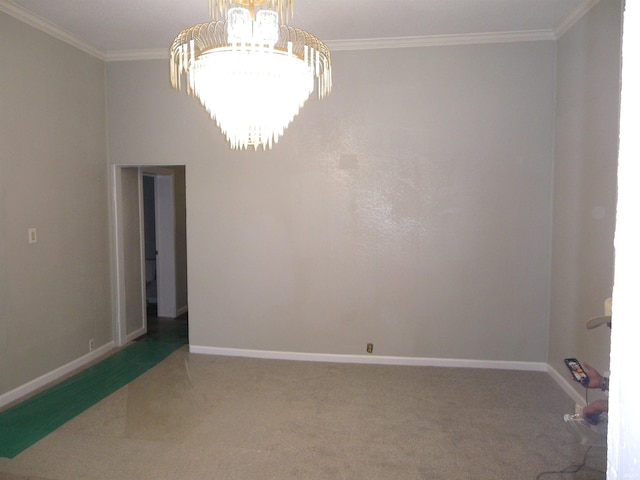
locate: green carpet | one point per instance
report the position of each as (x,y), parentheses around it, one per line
(35,418)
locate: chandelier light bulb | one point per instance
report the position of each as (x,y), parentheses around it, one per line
(250,73)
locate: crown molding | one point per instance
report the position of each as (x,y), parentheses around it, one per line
(336,45)
(132,55)
(440,40)
(49,28)
(571,19)
(373,43)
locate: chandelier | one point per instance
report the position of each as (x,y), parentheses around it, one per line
(251,73)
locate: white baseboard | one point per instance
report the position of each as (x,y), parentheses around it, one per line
(56,374)
(370,359)
(138,333)
(33,385)
(566,386)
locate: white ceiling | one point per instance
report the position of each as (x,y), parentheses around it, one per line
(126,25)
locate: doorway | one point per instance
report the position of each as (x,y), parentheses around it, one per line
(150,248)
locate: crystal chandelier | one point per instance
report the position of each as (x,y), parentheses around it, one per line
(251,73)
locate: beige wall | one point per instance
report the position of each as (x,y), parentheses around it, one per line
(586,151)
(54,295)
(410,209)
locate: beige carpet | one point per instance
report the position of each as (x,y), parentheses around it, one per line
(223,418)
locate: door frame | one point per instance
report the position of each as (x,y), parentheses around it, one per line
(165,194)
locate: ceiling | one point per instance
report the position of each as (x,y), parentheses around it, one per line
(130,25)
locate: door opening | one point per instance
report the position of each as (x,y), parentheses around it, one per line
(150,242)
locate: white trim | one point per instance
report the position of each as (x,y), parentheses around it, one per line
(336,45)
(374,43)
(132,55)
(49,28)
(118,259)
(571,19)
(54,375)
(369,359)
(137,333)
(440,40)
(566,386)
(182,310)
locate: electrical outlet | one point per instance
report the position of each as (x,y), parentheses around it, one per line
(369,347)
(91,346)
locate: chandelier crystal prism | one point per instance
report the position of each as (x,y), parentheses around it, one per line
(251,73)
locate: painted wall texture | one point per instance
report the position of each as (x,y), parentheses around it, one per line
(449,202)
(586,152)
(410,209)
(55,295)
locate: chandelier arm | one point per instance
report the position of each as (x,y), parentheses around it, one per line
(319,60)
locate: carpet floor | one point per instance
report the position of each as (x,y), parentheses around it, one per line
(31,420)
(211,417)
